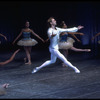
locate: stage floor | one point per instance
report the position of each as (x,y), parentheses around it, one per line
(53,81)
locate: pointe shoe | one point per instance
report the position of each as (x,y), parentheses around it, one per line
(77,71)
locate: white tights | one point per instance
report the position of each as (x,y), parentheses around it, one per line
(54,55)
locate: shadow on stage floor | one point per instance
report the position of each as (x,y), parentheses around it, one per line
(53,81)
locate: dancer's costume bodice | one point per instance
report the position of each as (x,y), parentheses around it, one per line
(26,35)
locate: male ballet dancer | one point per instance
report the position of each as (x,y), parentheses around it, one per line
(53,34)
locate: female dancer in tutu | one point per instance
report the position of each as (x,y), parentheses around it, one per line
(27,42)
(66,42)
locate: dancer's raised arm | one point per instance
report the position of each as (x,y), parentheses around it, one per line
(18,36)
(95,36)
(37,35)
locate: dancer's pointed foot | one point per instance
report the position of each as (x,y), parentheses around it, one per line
(35,70)
(77,71)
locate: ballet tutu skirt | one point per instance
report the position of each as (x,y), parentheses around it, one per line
(2,90)
(27,42)
(66,44)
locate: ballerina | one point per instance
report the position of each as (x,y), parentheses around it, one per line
(66,43)
(27,42)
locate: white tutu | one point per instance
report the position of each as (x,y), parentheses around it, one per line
(29,42)
(66,45)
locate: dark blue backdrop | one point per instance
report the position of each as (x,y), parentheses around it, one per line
(13,15)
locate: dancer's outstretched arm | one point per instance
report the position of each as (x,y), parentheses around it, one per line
(11,58)
(37,36)
(3,36)
(71,34)
(47,40)
(95,36)
(18,36)
(75,36)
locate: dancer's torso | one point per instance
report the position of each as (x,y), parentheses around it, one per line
(26,35)
(53,40)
